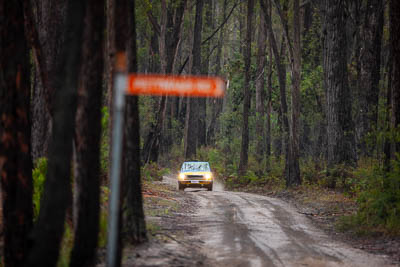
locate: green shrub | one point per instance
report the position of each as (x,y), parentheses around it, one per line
(312,171)
(153,172)
(378,196)
(38,176)
(380,202)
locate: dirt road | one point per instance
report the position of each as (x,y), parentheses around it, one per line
(242,229)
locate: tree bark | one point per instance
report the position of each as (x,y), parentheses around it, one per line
(49,228)
(395,45)
(370,59)
(87,139)
(192,109)
(293,171)
(216,107)
(260,91)
(15,134)
(134,223)
(281,69)
(341,144)
(246,87)
(202,102)
(269,110)
(49,22)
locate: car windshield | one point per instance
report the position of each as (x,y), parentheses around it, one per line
(195,166)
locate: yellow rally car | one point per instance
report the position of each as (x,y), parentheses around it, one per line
(195,174)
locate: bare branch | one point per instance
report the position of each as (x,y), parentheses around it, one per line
(222,24)
(153,22)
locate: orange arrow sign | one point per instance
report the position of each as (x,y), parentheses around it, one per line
(154,84)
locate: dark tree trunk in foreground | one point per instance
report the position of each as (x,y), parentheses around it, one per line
(134,223)
(49,228)
(87,139)
(246,87)
(192,110)
(15,134)
(395,44)
(341,147)
(370,59)
(49,22)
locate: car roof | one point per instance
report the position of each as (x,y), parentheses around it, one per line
(196,162)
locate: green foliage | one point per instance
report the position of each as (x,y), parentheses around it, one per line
(38,176)
(313,172)
(153,172)
(104,142)
(378,197)
(380,202)
(102,242)
(66,246)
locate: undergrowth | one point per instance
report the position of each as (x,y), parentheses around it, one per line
(378,198)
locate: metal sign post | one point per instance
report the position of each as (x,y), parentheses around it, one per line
(115,181)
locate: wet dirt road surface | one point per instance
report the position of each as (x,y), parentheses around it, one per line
(242,229)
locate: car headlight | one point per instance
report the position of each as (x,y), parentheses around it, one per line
(208,176)
(181,176)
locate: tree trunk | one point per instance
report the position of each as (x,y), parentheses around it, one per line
(281,69)
(49,22)
(387,150)
(170,35)
(269,110)
(293,171)
(246,87)
(201,122)
(395,45)
(134,223)
(371,40)
(49,228)
(341,147)
(15,134)
(87,139)
(191,128)
(216,107)
(202,102)
(260,91)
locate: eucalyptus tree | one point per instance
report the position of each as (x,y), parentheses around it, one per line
(87,139)
(15,134)
(56,197)
(191,125)
(246,89)
(341,142)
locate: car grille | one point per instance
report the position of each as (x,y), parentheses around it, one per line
(195,177)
